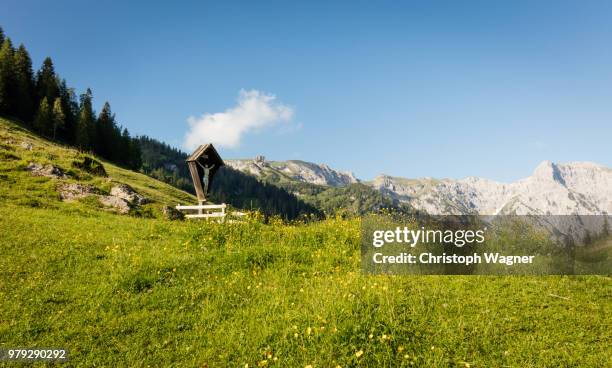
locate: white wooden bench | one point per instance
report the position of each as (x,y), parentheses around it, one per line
(210,211)
(205,211)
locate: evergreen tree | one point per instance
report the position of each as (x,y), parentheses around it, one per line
(86,122)
(70,107)
(44,117)
(124,147)
(105,132)
(130,150)
(46,81)
(58,115)
(1,82)
(7,78)
(24,83)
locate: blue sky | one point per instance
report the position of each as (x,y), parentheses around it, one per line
(411,88)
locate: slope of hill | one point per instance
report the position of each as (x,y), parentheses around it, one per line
(39,173)
(554,189)
(20,148)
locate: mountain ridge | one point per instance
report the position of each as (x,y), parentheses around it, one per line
(576,187)
(304,171)
(553,189)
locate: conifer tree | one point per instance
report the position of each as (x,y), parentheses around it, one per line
(44,117)
(7,78)
(70,107)
(46,81)
(24,84)
(58,115)
(124,147)
(86,121)
(130,147)
(106,127)
(53,110)
(135,156)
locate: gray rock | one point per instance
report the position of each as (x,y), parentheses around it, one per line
(49,171)
(122,198)
(172,213)
(73,191)
(128,194)
(26,145)
(121,205)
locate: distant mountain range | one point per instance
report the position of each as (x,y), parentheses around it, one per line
(307,172)
(330,191)
(554,189)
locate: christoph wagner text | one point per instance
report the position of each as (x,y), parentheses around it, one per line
(428,258)
(414,237)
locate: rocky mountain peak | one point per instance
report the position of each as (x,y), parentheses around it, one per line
(548,170)
(308,172)
(571,188)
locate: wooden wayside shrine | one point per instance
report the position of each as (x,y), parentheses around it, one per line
(203,165)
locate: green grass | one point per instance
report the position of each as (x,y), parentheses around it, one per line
(142,291)
(18,186)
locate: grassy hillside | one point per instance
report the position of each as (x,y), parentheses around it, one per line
(136,290)
(20,187)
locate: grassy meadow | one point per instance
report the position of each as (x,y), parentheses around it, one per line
(139,291)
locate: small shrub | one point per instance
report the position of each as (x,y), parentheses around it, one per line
(29,202)
(5,155)
(91,166)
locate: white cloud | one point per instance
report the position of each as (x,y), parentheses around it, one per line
(255,110)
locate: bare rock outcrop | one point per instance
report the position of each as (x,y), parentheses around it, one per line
(122,197)
(583,188)
(26,145)
(49,171)
(74,191)
(121,205)
(125,192)
(303,171)
(172,213)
